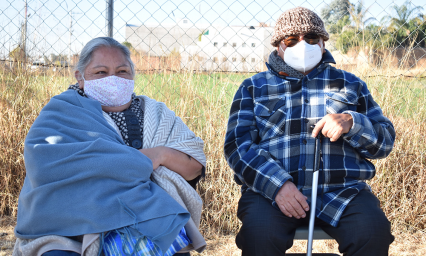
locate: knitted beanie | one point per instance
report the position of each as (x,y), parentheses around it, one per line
(299,20)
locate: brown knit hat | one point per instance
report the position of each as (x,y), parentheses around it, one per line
(299,20)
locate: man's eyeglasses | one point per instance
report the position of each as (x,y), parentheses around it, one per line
(292,40)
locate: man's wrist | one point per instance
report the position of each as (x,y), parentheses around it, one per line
(355,128)
(281,186)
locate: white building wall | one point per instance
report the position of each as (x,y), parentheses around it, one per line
(229,49)
(162,39)
(241,49)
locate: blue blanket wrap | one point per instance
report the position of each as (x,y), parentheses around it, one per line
(81,178)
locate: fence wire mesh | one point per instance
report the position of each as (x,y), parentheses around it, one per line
(209,36)
(193,54)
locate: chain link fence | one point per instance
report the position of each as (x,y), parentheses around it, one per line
(193,54)
(207,36)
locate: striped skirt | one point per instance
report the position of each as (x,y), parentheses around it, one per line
(118,243)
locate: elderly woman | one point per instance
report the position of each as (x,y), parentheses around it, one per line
(109,172)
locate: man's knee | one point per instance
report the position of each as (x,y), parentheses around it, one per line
(376,229)
(263,226)
(372,237)
(364,228)
(255,237)
(371,220)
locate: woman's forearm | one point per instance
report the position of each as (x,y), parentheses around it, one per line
(179,162)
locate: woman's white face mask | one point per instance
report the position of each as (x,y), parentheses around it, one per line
(111,91)
(303,56)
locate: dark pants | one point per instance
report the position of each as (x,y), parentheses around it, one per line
(363,229)
(60,253)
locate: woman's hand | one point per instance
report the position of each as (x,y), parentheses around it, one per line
(155,154)
(174,160)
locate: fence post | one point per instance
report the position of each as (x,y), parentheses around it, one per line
(24,38)
(110,17)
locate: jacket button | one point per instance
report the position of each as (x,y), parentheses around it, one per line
(136,144)
(304,168)
(306,120)
(304,142)
(306,100)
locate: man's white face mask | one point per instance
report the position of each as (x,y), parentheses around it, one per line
(303,56)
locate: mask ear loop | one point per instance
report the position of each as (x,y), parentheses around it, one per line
(82,76)
(322,45)
(281,48)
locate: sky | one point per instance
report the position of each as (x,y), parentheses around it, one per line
(49,21)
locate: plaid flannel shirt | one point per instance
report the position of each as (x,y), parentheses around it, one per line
(269,139)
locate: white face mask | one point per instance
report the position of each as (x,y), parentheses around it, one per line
(111,91)
(303,56)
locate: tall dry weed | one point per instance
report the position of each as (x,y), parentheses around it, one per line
(203,101)
(400,177)
(14,125)
(401,93)
(22,95)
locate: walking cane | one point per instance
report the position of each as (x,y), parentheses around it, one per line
(317,157)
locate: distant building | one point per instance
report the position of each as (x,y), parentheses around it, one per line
(206,47)
(162,39)
(242,49)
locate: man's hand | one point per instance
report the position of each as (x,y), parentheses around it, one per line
(333,126)
(291,201)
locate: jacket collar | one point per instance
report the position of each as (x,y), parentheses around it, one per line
(327,58)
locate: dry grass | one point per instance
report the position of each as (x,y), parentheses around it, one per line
(22,95)
(7,239)
(203,102)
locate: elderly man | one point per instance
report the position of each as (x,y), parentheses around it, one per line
(270,146)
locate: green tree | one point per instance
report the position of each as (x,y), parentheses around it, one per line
(406,22)
(333,13)
(402,15)
(128,45)
(17,54)
(417,28)
(358,15)
(373,37)
(347,40)
(341,24)
(354,36)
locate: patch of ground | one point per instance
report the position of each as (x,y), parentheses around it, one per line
(7,238)
(405,244)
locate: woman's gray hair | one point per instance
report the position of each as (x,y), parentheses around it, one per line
(94,44)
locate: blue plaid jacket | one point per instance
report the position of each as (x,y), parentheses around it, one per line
(269,139)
